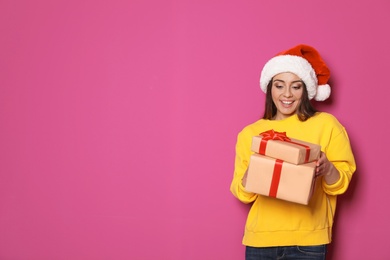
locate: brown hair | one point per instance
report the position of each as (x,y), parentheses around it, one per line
(305,109)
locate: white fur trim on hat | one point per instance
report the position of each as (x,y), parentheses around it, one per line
(300,67)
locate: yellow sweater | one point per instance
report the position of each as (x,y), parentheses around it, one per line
(273,222)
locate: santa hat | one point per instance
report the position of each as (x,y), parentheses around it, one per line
(305,62)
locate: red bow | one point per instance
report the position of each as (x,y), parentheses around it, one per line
(273,135)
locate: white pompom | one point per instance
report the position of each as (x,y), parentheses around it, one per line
(323,92)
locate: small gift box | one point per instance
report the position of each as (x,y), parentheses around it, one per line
(278,145)
(275,178)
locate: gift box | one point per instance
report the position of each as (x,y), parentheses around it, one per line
(278,179)
(277,145)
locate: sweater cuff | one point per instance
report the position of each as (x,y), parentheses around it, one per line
(339,187)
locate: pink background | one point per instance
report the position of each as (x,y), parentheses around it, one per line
(119,120)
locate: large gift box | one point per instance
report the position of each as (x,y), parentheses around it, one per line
(278,145)
(275,178)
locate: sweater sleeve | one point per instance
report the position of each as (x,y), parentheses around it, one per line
(339,152)
(243,154)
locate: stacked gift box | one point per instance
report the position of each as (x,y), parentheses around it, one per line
(282,167)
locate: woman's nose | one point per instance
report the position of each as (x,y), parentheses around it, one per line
(287,92)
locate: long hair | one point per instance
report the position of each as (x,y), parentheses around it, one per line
(305,109)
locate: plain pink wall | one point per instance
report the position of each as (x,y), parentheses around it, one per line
(118,121)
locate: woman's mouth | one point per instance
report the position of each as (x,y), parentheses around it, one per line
(287,102)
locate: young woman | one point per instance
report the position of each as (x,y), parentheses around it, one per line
(277,229)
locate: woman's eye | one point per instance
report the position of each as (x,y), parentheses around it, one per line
(278,86)
(297,87)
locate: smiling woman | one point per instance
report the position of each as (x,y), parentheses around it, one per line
(279,229)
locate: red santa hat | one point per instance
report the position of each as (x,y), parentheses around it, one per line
(305,62)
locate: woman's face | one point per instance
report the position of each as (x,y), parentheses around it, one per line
(286,91)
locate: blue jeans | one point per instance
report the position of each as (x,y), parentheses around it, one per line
(286,252)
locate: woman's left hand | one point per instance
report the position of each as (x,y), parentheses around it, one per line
(323,165)
(326,168)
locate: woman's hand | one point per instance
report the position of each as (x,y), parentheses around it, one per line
(326,168)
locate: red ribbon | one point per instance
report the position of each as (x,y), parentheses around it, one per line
(271,135)
(281,136)
(307,155)
(273,190)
